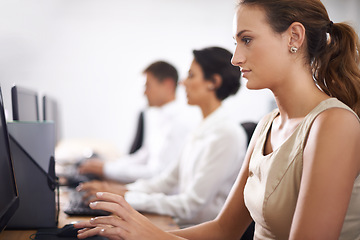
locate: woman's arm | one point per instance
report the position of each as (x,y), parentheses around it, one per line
(330,166)
(128,224)
(125,224)
(234,218)
(232,221)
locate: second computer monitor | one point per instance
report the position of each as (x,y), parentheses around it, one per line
(25,104)
(49,109)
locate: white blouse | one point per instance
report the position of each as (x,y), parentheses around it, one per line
(202,177)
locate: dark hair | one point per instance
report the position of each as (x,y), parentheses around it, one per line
(162,70)
(216,60)
(332,48)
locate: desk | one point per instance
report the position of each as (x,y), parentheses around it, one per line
(164,222)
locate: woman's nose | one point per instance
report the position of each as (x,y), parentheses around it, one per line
(237,58)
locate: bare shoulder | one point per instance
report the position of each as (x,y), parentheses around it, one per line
(335,136)
(338,120)
(330,166)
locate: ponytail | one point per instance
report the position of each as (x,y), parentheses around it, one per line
(337,69)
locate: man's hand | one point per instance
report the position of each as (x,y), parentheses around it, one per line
(93,166)
(92,187)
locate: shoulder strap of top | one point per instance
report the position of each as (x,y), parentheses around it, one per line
(264,128)
(267,120)
(324,105)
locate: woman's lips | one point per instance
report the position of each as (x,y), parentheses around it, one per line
(245,72)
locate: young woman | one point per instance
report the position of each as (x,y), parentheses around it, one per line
(300,178)
(196,188)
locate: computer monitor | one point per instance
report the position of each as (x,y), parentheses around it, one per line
(51,113)
(9,199)
(49,109)
(25,105)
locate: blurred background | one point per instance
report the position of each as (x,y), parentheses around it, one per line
(89,55)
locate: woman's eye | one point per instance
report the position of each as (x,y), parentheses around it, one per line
(246,40)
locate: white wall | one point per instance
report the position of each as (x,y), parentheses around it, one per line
(344,11)
(89,55)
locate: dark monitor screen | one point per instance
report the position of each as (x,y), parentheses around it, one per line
(9,200)
(25,104)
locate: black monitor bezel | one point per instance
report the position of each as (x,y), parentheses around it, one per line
(15,90)
(8,212)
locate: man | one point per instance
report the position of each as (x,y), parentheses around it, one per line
(166,128)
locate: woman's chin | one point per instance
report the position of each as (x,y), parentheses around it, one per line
(251,86)
(189,102)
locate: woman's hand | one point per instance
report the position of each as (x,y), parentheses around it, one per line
(89,230)
(125,224)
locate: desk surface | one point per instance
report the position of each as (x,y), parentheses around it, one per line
(164,222)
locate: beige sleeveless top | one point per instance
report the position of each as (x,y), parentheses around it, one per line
(273,184)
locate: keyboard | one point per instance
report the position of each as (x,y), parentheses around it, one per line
(77,206)
(74,180)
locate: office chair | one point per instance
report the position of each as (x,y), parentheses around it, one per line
(249,233)
(139,136)
(249,129)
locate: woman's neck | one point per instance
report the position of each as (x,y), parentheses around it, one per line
(209,107)
(296,102)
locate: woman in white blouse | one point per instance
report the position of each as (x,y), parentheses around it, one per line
(212,156)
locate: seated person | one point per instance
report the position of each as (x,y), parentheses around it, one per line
(211,159)
(166,128)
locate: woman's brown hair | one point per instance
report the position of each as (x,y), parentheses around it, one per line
(332,48)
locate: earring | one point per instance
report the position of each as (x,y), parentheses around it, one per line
(211,87)
(293,49)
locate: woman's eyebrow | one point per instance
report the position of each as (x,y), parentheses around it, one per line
(240,33)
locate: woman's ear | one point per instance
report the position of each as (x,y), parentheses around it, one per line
(296,33)
(217,80)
